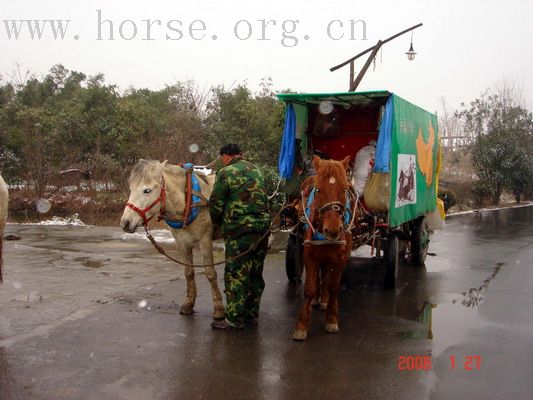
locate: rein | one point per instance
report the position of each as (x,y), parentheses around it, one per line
(190,204)
(162,251)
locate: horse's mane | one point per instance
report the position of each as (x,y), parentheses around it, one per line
(145,169)
(333,168)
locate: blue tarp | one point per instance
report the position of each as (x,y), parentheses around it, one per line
(288,144)
(383,147)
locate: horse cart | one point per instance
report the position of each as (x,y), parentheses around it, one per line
(393,147)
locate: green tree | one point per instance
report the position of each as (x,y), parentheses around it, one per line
(253,121)
(502,150)
(67,119)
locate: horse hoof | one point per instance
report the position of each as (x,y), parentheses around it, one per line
(332,328)
(218,314)
(299,335)
(186,309)
(323,306)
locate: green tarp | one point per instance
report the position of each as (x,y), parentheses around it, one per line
(349,97)
(414,162)
(413,150)
(301,125)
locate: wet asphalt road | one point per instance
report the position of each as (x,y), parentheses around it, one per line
(71,324)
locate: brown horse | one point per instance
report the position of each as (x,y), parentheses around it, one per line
(326,258)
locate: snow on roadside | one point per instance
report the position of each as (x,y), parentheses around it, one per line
(73,220)
(480,210)
(160,236)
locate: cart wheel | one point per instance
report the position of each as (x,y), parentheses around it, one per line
(391,262)
(294,261)
(419,241)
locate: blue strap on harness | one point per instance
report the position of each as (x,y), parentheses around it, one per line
(347,217)
(195,200)
(347,211)
(316,235)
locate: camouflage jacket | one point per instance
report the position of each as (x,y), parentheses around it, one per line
(239,202)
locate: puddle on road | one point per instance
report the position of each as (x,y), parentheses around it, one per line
(30,297)
(446,324)
(473,297)
(425,318)
(449,322)
(90,263)
(93,264)
(442,264)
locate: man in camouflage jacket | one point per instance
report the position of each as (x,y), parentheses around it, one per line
(239,204)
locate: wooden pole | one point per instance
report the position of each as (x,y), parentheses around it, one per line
(371,48)
(352,73)
(359,78)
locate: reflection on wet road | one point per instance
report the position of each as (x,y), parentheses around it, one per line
(86,314)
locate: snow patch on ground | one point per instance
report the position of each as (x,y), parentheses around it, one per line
(488,209)
(160,235)
(73,220)
(163,236)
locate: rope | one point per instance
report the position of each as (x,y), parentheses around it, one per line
(305,214)
(350,226)
(244,253)
(276,191)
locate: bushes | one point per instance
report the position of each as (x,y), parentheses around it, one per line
(67,120)
(482,193)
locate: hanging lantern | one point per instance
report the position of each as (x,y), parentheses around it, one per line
(411,53)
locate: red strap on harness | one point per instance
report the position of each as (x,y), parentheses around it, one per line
(161,199)
(188,195)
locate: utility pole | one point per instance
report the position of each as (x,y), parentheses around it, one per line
(354,83)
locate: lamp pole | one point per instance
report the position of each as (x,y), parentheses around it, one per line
(374,50)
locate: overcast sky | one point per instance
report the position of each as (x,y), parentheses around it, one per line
(463,47)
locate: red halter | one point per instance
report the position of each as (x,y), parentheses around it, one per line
(160,199)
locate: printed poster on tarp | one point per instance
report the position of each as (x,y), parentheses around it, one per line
(414,151)
(406,184)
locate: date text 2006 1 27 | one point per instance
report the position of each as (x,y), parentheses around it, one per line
(425,363)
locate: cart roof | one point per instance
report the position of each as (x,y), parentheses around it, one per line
(349,97)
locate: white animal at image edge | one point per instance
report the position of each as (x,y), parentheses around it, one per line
(4,200)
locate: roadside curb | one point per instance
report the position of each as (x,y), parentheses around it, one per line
(480,210)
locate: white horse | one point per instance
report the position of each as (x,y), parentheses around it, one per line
(3,216)
(159,189)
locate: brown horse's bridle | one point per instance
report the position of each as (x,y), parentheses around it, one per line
(336,206)
(161,199)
